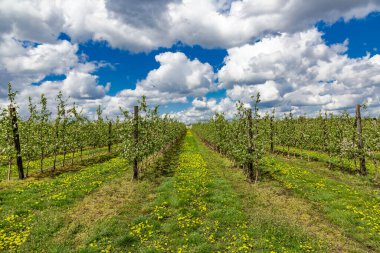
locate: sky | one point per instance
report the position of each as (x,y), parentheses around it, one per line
(193,58)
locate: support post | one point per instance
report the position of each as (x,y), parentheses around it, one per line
(250,145)
(271,126)
(136,139)
(109,136)
(363,169)
(16,140)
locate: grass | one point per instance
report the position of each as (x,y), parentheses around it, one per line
(191,199)
(189,213)
(342,164)
(34,165)
(350,202)
(25,206)
(339,210)
(289,223)
(68,212)
(198,210)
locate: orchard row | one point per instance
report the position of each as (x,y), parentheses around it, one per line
(134,136)
(343,141)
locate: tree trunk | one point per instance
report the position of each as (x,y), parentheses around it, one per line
(109,136)
(64,158)
(9,168)
(56,146)
(250,146)
(329,160)
(271,135)
(16,139)
(363,169)
(72,157)
(356,166)
(136,139)
(376,169)
(55,161)
(42,161)
(27,168)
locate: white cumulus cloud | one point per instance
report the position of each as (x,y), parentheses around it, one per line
(143,25)
(175,80)
(272,49)
(301,70)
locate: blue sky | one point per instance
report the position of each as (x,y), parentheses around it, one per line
(127,68)
(193,58)
(363,34)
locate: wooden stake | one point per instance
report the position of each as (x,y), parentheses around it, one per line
(271,134)
(250,145)
(109,136)
(136,138)
(363,169)
(9,168)
(16,139)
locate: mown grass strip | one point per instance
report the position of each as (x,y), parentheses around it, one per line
(278,222)
(198,211)
(286,220)
(34,168)
(344,164)
(23,206)
(188,215)
(356,211)
(98,223)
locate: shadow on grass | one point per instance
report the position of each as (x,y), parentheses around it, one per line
(75,167)
(164,164)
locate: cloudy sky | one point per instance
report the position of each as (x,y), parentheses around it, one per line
(193,57)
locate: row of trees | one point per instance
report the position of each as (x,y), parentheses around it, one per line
(70,131)
(338,135)
(248,135)
(145,132)
(241,138)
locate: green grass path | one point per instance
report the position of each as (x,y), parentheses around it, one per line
(281,220)
(350,202)
(193,212)
(191,200)
(30,208)
(198,210)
